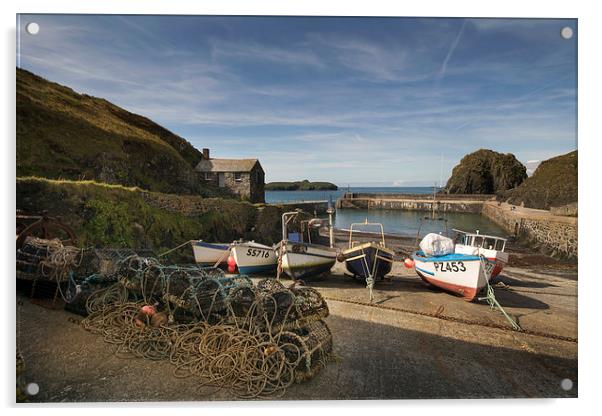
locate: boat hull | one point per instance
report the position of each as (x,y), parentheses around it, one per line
(457,273)
(498,258)
(304,260)
(368,260)
(253,258)
(208,254)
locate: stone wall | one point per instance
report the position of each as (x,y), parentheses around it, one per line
(465,203)
(311,207)
(554,233)
(248,185)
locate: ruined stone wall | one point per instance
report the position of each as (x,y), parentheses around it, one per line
(556,234)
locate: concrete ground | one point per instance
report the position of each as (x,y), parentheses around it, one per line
(388,349)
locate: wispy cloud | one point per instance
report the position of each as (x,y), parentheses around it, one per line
(349,101)
(451,50)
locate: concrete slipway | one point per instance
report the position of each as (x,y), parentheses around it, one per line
(412,342)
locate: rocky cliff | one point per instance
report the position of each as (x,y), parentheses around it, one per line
(553,185)
(486,172)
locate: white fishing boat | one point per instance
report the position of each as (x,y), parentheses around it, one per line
(462,274)
(210,254)
(252,257)
(463,268)
(299,257)
(489,246)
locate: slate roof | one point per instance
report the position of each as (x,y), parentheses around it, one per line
(226,165)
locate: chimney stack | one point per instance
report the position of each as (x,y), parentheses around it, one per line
(205,153)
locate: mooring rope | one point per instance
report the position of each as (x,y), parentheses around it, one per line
(254,351)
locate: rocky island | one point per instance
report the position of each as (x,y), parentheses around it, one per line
(303,185)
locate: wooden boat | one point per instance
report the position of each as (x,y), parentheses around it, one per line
(488,246)
(210,254)
(299,257)
(372,260)
(252,257)
(462,274)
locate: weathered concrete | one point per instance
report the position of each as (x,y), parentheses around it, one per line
(391,353)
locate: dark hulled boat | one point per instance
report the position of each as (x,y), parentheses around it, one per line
(372,260)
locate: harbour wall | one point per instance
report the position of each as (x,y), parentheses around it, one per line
(312,207)
(411,202)
(554,233)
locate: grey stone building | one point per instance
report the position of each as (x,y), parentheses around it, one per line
(244,177)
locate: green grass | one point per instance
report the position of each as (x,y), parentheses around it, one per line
(553,184)
(116,216)
(63,134)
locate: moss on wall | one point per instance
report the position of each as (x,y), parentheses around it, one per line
(120,217)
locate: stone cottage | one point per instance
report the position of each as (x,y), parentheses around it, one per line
(244,177)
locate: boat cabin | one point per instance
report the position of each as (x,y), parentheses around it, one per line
(488,242)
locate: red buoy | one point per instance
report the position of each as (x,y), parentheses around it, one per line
(148,310)
(231,264)
(409,263)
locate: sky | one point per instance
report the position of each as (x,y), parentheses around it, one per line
(354,101)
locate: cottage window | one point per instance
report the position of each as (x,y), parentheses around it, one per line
(207,176)
(238,176)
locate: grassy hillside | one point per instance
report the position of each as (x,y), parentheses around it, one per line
(553,184)
(304,185)
(63,134)
(486,172)
(116,216)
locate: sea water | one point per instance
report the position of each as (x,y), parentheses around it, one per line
(400,222)
(272,197)
(409,223)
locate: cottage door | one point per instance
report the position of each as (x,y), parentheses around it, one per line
(221,180)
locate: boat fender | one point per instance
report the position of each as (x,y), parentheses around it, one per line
(409,263)
(231,264)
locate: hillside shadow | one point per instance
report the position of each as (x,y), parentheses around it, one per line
(381,361)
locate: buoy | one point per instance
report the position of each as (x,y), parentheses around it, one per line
(148,310)
(409,263)
(231,264)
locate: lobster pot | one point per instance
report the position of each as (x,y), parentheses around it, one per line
(241,300)
(276,304)
(77,296)
(31,254)
(309,346)
(141,275)
(309,305)
(102,261)
(211,297)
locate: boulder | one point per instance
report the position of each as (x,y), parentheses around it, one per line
(486,172)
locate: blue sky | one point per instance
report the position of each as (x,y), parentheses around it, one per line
(359,101)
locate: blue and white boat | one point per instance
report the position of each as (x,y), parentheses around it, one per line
(252,257)
(462,274)
(210,254)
